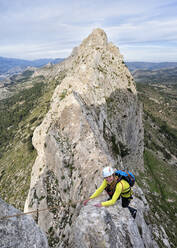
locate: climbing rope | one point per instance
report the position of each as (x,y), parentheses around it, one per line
(34,211)
(31,212)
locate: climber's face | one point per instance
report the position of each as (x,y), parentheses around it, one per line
(109,179)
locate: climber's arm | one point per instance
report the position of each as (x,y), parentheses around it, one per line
(99,190)
(114,198)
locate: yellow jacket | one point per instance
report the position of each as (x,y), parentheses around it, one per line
(121,188)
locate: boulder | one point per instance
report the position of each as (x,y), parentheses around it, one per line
(20,231)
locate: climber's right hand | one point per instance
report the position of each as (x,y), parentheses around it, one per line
(85,202)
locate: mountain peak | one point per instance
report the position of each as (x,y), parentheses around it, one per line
(97,38)
(94,120)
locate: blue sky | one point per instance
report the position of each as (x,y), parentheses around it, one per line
(143,30)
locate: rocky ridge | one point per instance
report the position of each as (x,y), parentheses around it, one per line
(95,119)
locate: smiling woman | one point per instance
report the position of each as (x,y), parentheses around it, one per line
(109,179)
(116,187)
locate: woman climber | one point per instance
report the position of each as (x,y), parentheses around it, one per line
(116,188)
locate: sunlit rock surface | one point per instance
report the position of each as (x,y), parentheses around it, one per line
(95,119)
(20,231)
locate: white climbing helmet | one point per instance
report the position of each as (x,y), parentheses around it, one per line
(108,171)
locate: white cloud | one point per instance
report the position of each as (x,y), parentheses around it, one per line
(144,32)
(41,28)
(149,53)
(35,51)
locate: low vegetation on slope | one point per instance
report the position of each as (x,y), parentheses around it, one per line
(163,76)
(20,115)
(160,157)
(160,119)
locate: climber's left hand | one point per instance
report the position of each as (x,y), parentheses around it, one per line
(98,205)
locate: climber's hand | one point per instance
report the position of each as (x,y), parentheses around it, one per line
(85,202)
(98,205)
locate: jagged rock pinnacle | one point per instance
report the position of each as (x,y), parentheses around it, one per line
(94,119)
(96,38)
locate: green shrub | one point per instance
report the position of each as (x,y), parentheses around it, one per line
(63,94)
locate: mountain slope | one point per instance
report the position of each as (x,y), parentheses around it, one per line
(160,157)
(161,76)
(20,115)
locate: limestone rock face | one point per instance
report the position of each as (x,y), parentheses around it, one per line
(94,120)
(20,231)
(111,227)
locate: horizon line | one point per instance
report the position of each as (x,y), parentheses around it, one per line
(129,61)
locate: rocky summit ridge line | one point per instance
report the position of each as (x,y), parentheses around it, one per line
(95,119)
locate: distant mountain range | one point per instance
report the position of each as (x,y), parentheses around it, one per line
(12,64)
(150,65)
(9,63)
(145,72)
